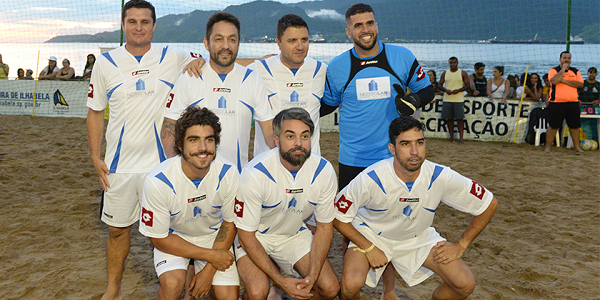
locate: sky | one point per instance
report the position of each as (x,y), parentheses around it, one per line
(41,20)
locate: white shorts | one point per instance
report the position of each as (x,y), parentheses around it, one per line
(407,256)
(122,200)
(286,251)
(164,262)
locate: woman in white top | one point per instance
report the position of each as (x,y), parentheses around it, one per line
(87,70)
(498,87)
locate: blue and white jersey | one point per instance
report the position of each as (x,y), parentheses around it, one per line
(364,88)
(235,100)
(172,203)
(272,201)
(287,89)
(379,201)
(137,93)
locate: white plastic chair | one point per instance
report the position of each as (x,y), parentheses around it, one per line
(541,128)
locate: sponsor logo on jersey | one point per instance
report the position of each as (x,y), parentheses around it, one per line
(223,112)
(408,199)
(420,74)
(221,90)
(294,84)
(294,191)
(107,215)
(343,204)
(222,103)
(238,208)
(161,263)
(140,72)
(197,211)
(139,94)
(294,96)
(140,85)
(147,217)
(91,91)
(477,190)
(368,62)
(292,203)
(170,99)
(373,88)
(196,199)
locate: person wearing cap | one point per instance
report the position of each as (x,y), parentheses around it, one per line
(3,69)
(478,82)
(50,71)
(590,92)
(29,74)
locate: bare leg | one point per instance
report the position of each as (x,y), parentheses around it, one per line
(354,274)
(327,285)
(171,285)
(461,129)
(450,124)
(188,279)
(574,132)
(389,279)
(458,283)
(550,133)
(117,249)
(256,282)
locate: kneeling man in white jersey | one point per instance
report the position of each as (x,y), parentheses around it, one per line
(187,212)
(278,190)
(387,212)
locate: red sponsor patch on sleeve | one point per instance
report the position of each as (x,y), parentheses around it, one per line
(238,208)
(195,55)
(477,190)
(147,217)
(420,74)
(343,204)
(170,100)
(91,91)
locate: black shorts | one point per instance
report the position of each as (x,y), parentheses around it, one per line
(570,111)
(347,173)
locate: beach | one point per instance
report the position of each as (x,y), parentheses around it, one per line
(543,242)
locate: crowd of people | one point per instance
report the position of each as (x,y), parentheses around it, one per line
(52,71)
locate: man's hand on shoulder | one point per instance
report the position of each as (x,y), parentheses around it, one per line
(194,67)
(406,104)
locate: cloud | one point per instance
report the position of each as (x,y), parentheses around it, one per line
(325,14)
(37,8)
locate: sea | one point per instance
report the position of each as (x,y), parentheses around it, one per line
(516,58)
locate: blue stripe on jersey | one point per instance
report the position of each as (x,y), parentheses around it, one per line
(272,95)
(428,209)
(167,83)
(196,103)
(159,146)
(372,209)
(313,203)
(171,230)
(197,182)
(322,164)
(107,55)
(115,161)
(409,185)
(318,98)
(138,58)
(264,231)
(222,174)
(174,214)
(224,76)
(239,163)
(266,67)
(249,107)
(364,224)
(164,179)
(164,52)
(246,75)
(375,178)
(301,229)
(262,168)
(317,68)
(215,229)
(294,173)
(270,206)
(294,71)
(436,173)
(111,91)
(218,207)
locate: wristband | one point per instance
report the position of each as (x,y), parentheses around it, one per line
(366,250)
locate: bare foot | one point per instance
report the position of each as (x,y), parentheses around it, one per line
(579,151)
(547,149)
(106,296)
(391,295)
(450,140)
(461,142)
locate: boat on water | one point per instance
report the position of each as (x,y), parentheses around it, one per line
(574,41)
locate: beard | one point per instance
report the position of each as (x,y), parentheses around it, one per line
(198,165)
(215,57)
(364,46)
(295,160)
(409,167)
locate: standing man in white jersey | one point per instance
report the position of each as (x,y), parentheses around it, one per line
(187,212)
(278,190)
(233,92)
(292,79)
(387,212)
(135,80)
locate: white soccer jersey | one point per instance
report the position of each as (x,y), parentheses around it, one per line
(380,201)
(286,90)
(235,100)
(272,202)
(172,203)
(137,93)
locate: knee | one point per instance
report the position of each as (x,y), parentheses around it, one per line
(350,287)
(255,293)
(117,232)
(329,290)
(171,285)
(465,287)
(228,294)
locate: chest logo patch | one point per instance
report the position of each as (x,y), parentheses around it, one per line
(373,88)
(294,191)
(196,199)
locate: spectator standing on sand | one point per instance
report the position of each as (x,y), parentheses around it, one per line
(478,82)
(453,83)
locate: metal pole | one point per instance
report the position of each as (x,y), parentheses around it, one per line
(569,25)
(123,4)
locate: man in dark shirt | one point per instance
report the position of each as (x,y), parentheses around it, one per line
(590,92)
(478,82)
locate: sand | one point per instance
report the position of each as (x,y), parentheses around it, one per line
(543,242)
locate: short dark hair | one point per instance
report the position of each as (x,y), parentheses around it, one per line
(191,116)
(500,69)
(593,69)
(545,76)
(479,65)
(359,8)
(561,54)
(138,4)
(287,21)
(453,58)
(294,113)
(221,16)
(403,124)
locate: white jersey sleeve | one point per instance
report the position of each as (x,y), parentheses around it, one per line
(248,204)
(97,97)
(155,212)
(325,209)
(181,97)
(351,198)
(465,194)
(229,197)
